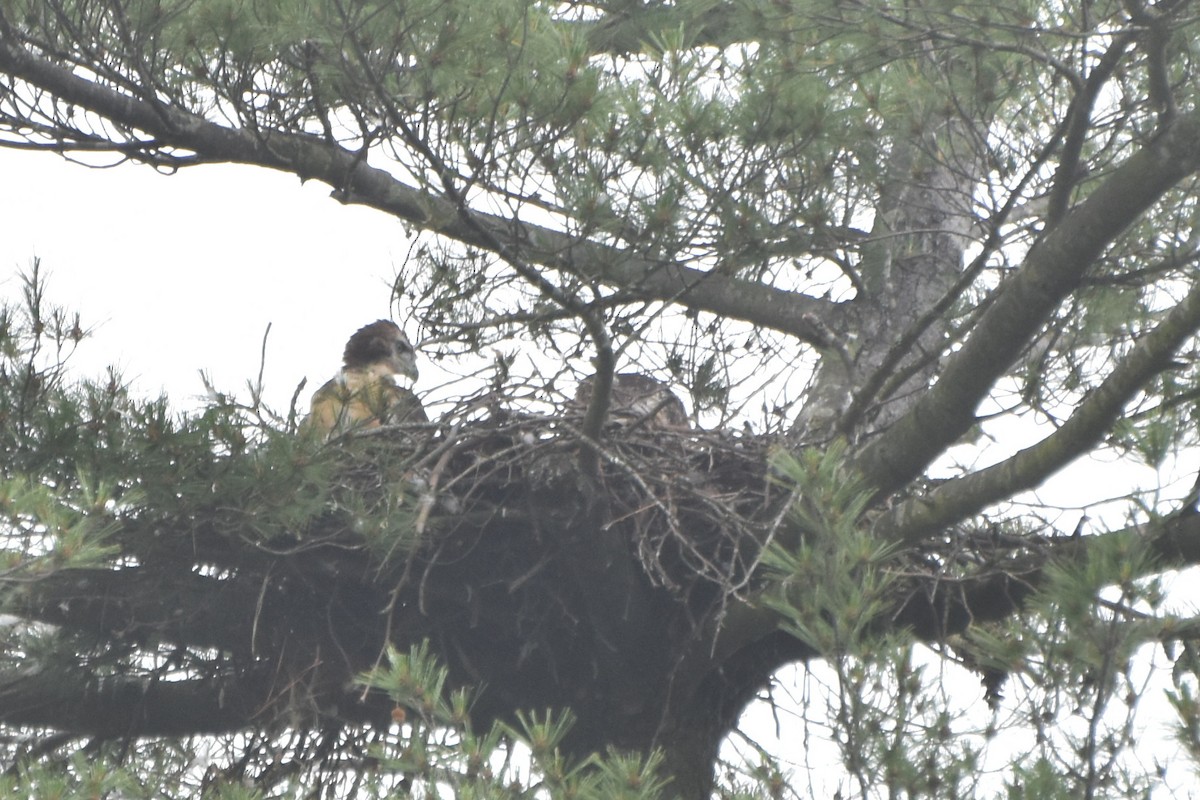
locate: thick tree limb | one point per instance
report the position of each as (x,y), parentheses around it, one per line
(313,158)
(958,499)
(143,604)
(952,605)
(1052,270)
(118,707)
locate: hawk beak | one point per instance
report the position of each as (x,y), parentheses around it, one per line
(406,365)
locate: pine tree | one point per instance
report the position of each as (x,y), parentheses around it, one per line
(856,239)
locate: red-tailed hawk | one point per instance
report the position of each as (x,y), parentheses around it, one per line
(364,394)
(638,399)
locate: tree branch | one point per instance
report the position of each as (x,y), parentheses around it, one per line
(312,158)
(140,603)
(636,27)
(112,708)
(958,499)
(934,609)
(1077,123)
(1052,270)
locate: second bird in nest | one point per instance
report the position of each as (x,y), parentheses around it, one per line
(639,400)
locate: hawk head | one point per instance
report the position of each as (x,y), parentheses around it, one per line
(380,347)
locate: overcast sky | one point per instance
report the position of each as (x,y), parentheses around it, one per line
(178,273)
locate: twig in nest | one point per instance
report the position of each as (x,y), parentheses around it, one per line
(429,496)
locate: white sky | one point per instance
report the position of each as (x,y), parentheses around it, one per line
(184,272)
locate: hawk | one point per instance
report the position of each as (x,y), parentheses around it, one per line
(638,399)
(364,393)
